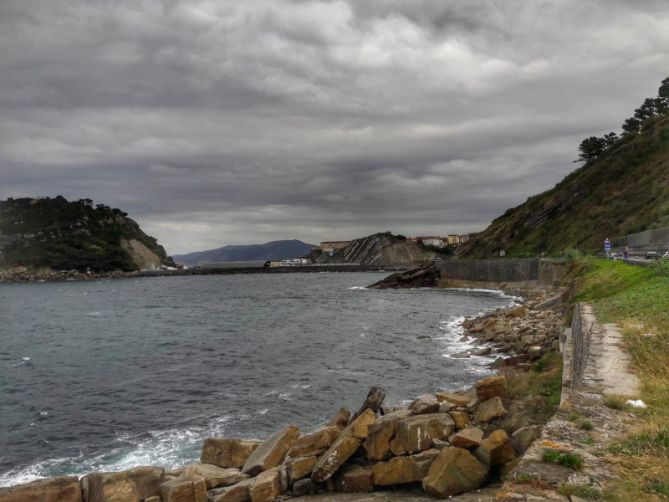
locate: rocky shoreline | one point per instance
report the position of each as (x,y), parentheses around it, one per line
(445,442)
(23,274)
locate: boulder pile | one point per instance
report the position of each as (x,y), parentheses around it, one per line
(448,443)
(521,334)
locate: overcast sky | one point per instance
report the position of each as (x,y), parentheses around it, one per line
(230,122)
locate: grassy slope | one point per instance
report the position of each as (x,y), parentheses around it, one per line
(638,300)
(625,191)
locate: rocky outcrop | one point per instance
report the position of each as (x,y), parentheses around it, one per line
(63,489)
(132,485)
(422,277)
(228,452)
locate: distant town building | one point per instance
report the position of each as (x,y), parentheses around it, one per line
(439,242)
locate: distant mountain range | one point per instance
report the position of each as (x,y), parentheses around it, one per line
(275,250)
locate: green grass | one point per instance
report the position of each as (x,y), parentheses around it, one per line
(565,458)
(585,425)
(637,299)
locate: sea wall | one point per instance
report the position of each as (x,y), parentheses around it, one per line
(514,272)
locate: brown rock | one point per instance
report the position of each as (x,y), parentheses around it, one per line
(267,486)
(377,444)
(520,311)
(272,451)
(300,467)
(304,487)
(523,437)
(400,470)
(240,492)
(61,489)
(490,409)
(468,438)
(155,498)
(340,451)
(183,489)
(227,452)
(427,403)
(132,485)
(496,449)
(373,401)
(460,418)
(454,471)
(355,478)
(493,386)
(456,399)
(314,443)
(416,433)
(214,476)
(341,419)
(359,428)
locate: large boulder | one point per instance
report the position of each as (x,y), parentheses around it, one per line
(523,437)
(456,399)
(377,444)
(490,409)
(240,492)
(454,471)
(227,452)
(470,437)
(417,433)
(493,386)
(132,485)
(300,467)
(341,419)
(355,478)
(304,487)
(496,449)
(183,489)
(343,447)
(427,403)
(267,486)
(460,418)
(373,401)
(401,470)
(214,476)
(272,451)
(314,443)
(62,489)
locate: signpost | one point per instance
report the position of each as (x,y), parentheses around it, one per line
(607,247)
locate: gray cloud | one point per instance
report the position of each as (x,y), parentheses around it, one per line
(218,122)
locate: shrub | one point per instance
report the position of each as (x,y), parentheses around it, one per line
(565,458)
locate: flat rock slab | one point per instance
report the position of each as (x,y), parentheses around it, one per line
(227,452)
(63,489)
(486,494)
(272,451)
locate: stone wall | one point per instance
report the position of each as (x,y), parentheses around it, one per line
(520,271)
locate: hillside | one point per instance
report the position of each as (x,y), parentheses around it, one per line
(624,190)
(378,249)
(61,235)
(275,250)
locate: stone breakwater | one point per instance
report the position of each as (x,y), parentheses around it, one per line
(24,274)
(446,442)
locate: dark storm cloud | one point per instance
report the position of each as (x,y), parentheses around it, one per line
(216,122)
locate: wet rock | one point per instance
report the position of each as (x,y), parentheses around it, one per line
(490,409)
(240,492)
(266,487)
(131,485)
(401,470)
(61,489)
(467,438)
(427,403)
(301,467)
(227,452)
(315,443)
(523,437)
(461,355)
(460,418)
(341,419)
(493,386)
(214,476)
(272,451)
(454,471)
(183,489)
(496,449)
(304,487)
(355,478)
(485,351)
(416,433)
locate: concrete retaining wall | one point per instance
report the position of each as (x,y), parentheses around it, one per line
(519,271)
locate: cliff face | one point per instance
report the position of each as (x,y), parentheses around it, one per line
(57,234)
(624,191)
(379,249)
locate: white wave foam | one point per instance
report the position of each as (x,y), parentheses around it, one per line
(358,288)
